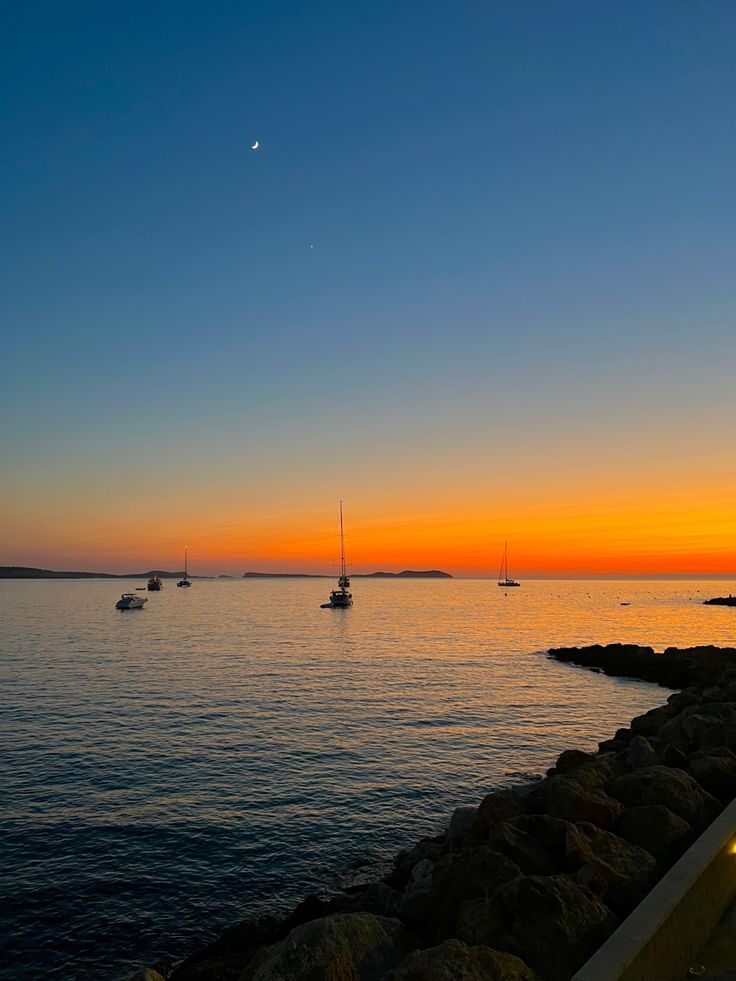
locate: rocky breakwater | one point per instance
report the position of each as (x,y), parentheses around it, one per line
(528,884)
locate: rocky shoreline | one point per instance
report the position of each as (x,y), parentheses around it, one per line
(526,886)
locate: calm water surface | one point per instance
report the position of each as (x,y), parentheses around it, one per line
(232,747)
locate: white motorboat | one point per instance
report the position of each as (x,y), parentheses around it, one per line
(341,597)
(129,601)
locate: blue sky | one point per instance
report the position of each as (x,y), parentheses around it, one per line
(522,220)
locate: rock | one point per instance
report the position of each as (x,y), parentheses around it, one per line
(581,796)
(475,873)
(341,947)
(675,789)
(146,974)
(376,898)
(232,951)
(415,901)
(498,806)
(715,771)
(552,922)
(672,756)
(230,967)
(454,961)
(612,746)
(430,848)
(537,843)
(461,823)
(571,759)
(625,870)
(640,753)
(702,726)
(656,829)
(680,700)
(652,721)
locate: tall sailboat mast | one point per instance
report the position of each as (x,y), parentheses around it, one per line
(341,597)
(342,545)
(343,581)
(186,573)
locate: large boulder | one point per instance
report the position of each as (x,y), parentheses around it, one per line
(640,753)
(537,843)
(572,759)
(675,789)
(498,806)
(427,848)
(623,872)
(701,726)
(229,967)
(715,771)
(656,829)
(416,899)
(232,951)
(461,824)
(373,897)
(653,721)
(474,873)
(552,922)
(581,795)
(341,947)
(455,961)
(145,974)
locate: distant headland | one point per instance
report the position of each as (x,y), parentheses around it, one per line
(27,572)
(406,574)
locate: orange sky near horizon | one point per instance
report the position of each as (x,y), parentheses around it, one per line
(638,531)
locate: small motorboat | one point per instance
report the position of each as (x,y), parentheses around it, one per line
(154,584)
(129,601)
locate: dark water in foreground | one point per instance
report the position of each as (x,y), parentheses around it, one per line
(232,747)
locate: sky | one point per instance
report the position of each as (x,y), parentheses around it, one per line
(477,281)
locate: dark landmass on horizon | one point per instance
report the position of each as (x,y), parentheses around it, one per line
(27,572)
(406,574)
(30,572)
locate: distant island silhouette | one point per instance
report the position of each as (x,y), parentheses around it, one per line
(406,574)
(28,572)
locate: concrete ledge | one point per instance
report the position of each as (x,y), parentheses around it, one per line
(662,937)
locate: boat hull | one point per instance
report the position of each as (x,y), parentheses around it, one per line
(130,603)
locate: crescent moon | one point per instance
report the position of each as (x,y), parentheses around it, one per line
(255,145)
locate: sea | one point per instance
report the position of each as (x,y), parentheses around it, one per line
(231,748)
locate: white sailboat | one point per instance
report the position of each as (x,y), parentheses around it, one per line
(504,579)
(341,597)
(185,580)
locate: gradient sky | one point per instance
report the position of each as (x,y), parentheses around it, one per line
(516,320)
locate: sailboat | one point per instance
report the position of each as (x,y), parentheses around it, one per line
(503,576)
(341,597)
(185,580)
